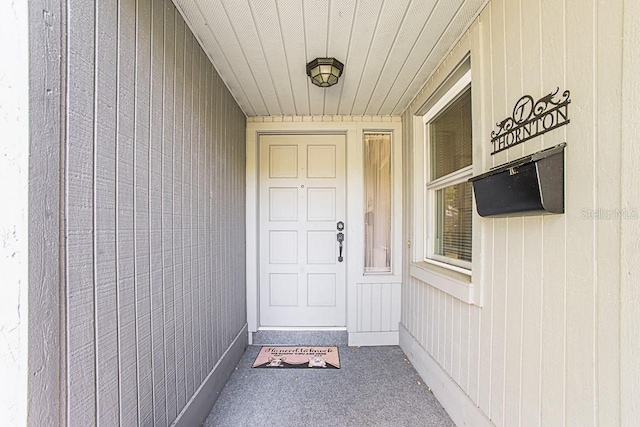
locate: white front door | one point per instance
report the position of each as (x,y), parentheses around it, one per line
(302,198)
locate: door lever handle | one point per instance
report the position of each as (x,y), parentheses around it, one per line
(340,237)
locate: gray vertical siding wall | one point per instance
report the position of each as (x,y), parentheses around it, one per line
(154,214)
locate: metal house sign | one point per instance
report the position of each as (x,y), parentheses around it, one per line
(531,119)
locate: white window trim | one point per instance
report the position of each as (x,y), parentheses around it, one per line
(450,95)
(445,276)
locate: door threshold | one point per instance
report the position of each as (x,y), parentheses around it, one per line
(302,328)
(297,336)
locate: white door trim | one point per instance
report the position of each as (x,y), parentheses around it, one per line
(353,127)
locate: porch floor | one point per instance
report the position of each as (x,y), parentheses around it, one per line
(376,386)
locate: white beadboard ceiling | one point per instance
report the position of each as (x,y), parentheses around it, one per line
(389,48)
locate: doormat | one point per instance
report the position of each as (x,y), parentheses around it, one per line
(298,357)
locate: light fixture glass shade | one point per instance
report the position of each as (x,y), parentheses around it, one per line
(324,72)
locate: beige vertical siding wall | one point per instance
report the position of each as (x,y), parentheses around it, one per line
(154,214)
(554,342)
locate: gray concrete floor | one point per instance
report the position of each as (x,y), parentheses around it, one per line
(376,386)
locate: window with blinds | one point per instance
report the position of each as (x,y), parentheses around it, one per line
(453,222)
(449,137)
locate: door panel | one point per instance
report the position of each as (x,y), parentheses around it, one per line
(321,290)
(283,161)
(283,247)
(321,161)
(283,204)
(321,247)
(283,290)
(321,204)
(302,196)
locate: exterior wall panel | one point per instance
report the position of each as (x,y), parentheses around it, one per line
(628,300)
(43,84)
(154,180)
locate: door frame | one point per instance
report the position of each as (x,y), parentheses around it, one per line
(353,127)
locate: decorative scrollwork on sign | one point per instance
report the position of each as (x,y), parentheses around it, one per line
(530,119)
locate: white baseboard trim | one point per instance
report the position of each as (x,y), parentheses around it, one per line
(199,406)
(373,338)
(462,410)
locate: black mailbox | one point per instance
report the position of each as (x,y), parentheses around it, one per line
(531,185)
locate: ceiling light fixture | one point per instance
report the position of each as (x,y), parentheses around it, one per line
(324,72)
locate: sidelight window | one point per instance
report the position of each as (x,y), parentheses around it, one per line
(377,202)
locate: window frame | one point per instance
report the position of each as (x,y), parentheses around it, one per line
(432,186)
